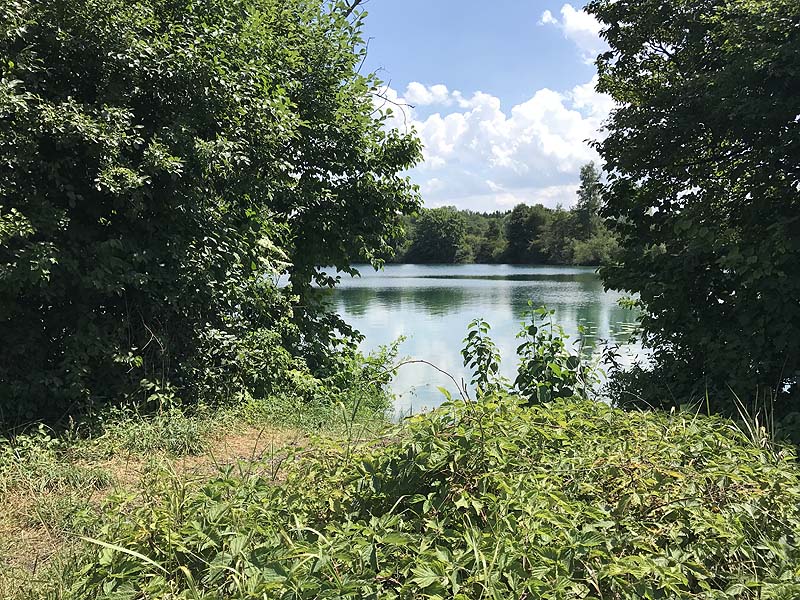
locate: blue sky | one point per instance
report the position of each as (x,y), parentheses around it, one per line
(502,94)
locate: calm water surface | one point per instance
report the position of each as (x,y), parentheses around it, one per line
(431,306)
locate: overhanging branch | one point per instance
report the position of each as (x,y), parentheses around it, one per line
(351,6)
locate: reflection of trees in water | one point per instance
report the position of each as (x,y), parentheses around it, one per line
(588,277)
(587,305)
(357,300)
(581,303)
(440,300)
(434,301)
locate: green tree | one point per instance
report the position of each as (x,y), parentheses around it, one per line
(524,226)
(591,243)
(587,210)
(555,239)
(492,244)
(600,249)
(703,156)
(439,237)
(157,159)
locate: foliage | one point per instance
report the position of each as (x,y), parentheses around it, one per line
(482,356)
(53,482)
(599,249)
(48,497)
(580,236)
(568,499)
(525,235)
(703,156)
(555,240)
(524,226)
(159,159)
(546,368)
(486,237)
(439,236)
(587,209)
(357,392)
(172,431)
(32,460)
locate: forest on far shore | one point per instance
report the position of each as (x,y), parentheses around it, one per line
(527,234)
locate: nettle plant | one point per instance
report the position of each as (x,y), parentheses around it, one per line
(547,368)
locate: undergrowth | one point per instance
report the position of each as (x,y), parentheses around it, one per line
(54,481)
(521,493)
(567,499)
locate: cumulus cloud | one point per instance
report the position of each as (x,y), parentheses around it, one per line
(586,97)
(482,157)
(419,94)
(580,28)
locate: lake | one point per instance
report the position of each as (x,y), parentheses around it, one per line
(432,305)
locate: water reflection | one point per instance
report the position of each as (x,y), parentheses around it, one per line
(432,305)
(433,301)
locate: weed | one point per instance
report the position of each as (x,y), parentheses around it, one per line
(567,499)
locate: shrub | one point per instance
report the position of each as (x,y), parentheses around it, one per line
(547,368)
(568,499)
(160,159)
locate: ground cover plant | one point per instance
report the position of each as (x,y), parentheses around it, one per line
(488,499)
(526,491)
(54,482)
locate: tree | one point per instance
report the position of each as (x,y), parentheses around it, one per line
(591,242)
(491,245)
(703,162)
(524,226)
(587,209)
(157,159)
(555,238)
(439,237)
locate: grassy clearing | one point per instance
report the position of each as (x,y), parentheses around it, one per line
(571,499)
(56,487)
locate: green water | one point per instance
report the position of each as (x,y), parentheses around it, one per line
(431,305)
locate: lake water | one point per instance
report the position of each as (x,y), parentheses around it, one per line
(432,305)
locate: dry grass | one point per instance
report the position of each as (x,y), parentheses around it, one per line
(52,497)
(250,444)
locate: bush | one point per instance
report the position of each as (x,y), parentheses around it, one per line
(547,368)
(160,159)
(567,499)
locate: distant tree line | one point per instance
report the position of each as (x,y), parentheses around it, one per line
(525,235)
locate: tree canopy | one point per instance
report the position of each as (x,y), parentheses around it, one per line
(703,161)
(524,227)
(157,160)
(439,236)
(527,234)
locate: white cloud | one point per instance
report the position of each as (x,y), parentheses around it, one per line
(495,187)
(548,19)
(482,157)
(432,185)
(586,97)
(419,94)
(579,27)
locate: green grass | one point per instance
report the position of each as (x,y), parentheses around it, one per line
(571,499)
(55,485)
